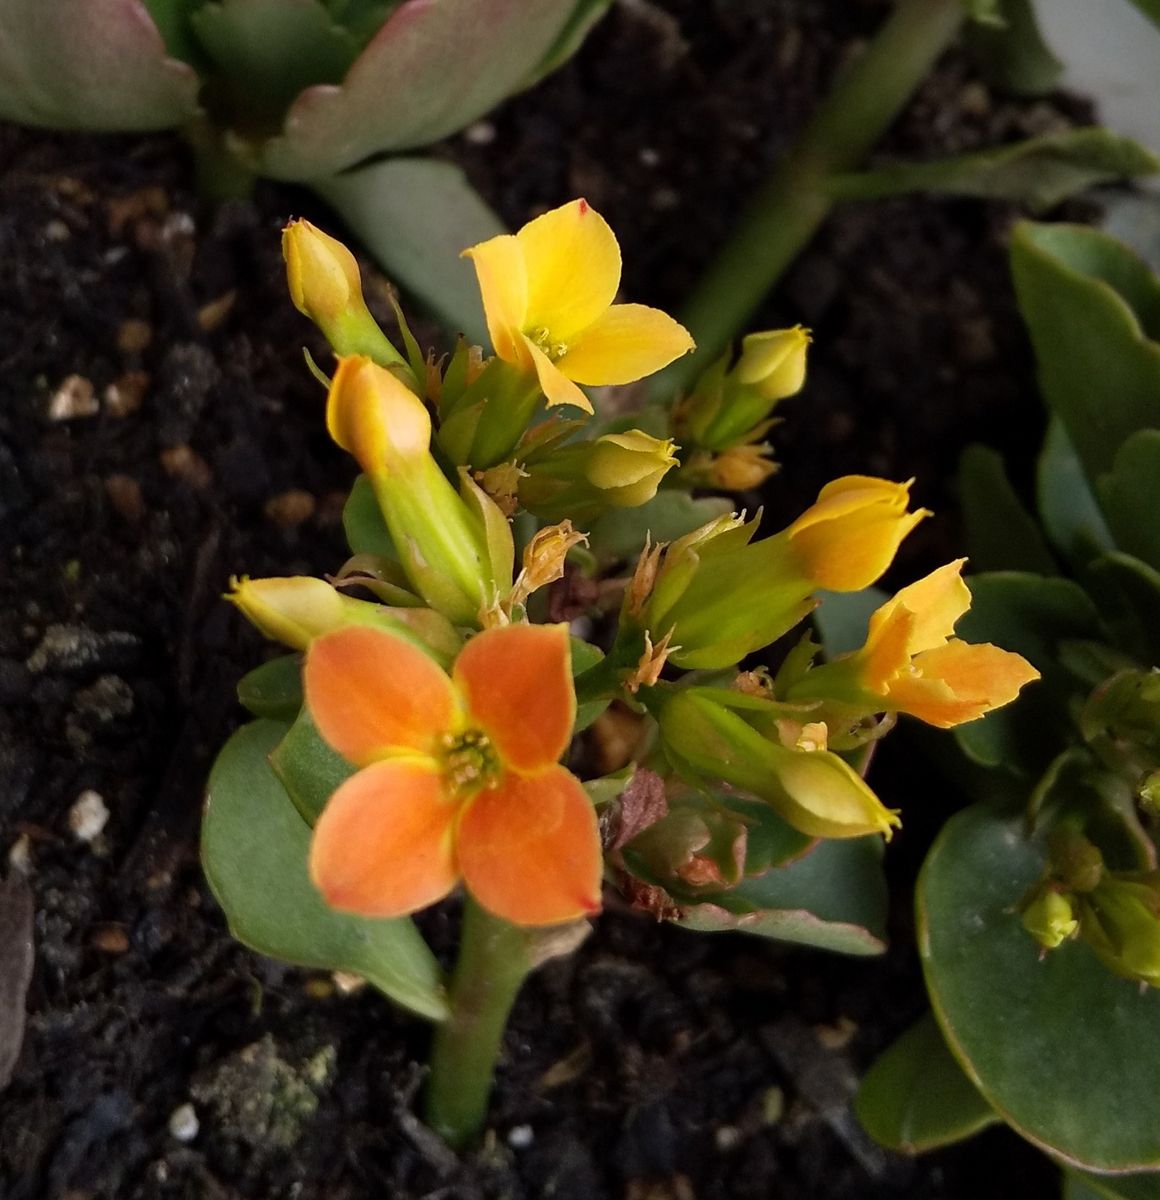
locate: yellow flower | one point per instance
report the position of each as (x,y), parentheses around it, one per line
(850,534)
(547,294)
(914,665)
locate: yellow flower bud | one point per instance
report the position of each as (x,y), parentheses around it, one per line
(321,272)
(774,362)
(376,418)
(849,536)
(628,467)
(298,609)
(326,286)
(294,610)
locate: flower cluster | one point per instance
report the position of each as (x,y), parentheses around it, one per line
(450,701)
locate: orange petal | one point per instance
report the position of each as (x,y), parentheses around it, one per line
(503,285)
(383,846)
(517,685)
(557,387)
(573,269)
(627,342)
(960,682)
(372,693)
(529,849)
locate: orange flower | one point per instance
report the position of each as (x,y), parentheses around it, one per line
(460,776)
(547,294)
(912,664)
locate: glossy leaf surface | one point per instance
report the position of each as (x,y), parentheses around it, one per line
(915,1097)
(254,851)
(1055,1042)
(434,67)
(89,64)
(274,689)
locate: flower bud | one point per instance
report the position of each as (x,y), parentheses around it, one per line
(298,609)
(774,362)
(448,544)
(815,791)
(1050,916)
(850,534)
(628,467)
(581,481)
(740,468)
(1121,923)
(325,286)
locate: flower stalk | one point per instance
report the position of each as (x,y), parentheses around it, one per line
(494,960)
(787,212)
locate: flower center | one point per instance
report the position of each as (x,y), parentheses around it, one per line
(469,761)
(542,337)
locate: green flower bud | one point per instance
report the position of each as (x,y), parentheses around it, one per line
(1121,923)
(1051,917)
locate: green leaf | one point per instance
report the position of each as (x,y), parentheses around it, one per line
(584,16)
(916,1097)
(1030,615)
(1001,534)
(269,50)
(1065,1051)
(620,533)
(254,849)
(308,767)
(274,689)
(1128,592)
(416,215)
(1083,1185)
(843,618)
(428,72)
(833,898)
(1069,511)
(1040,172)
(1130,496)
(1150,9)
(362,522)
(1091,307)
(1012,54)
(90,64)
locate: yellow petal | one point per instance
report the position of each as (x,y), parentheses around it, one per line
(375,417)
(573,270)
(503,285)
(557,388)
(628,342)
(935,604)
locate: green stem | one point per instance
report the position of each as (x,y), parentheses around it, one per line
(220,174)
(493,963)
(786,213)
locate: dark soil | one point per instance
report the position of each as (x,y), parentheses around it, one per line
(655,1063)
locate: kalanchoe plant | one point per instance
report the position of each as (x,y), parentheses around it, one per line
(305,90)
(1039,905)
(423,741)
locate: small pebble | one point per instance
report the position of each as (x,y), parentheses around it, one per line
(134,335)
(124,395)
(20,855)
(57,231)
(347,982)
(727,1137)
(88,816)
(290,509)
(482,133)
(183,463)
(124,493)
(73,399)
(111,939)
(183,1123)
(520,1137)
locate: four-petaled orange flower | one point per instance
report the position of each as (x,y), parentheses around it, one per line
(460,776)
(547,294)
(912,661)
